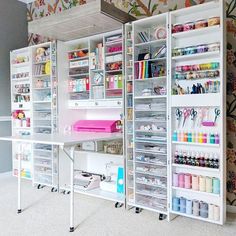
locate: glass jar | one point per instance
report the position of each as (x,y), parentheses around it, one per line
(215,20)
(188,26)
(201,24)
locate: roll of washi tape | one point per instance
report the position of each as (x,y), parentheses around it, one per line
(187,181)
(160,33)
(203,209)
(189,207)
(195,182)
(202,184)
(208,184)
(182,205)
(216,186)
(195,207)
(211,212)
(181,180)
(216,213)
(175,204)
(175,180)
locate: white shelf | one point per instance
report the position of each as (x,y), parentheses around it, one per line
(23,64)
(150,79)
(196,32)
(205,55)
(197,144)
(153,185)
(20,79)
(152,59)
(151,174)
(79,59)
(150,43)
(151,195)
(41,76)
(150,97)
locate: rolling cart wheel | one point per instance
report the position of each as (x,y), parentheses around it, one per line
(68,192)
(118,205)
(63,192)
(138,210)
(40,186)
(72,229)
(162,216)
(53,190)
(19,211)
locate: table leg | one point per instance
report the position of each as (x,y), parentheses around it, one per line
(19,181)
(72,149)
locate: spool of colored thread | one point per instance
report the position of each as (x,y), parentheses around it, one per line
(195,182)
(175,180)
(211,212)
(195,207)
(202,184)
(216,213)
(216,185)
(175,203)
(182,205)
(181,180)
(208,184)
(187,181)
(203,209)
(189,207)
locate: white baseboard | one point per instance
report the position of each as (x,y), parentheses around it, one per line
(231,209)
(6,174)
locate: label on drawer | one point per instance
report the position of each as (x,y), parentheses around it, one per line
(80,63)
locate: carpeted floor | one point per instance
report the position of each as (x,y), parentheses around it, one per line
(47,214)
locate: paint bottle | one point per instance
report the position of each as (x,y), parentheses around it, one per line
(175,138)
(212,138)
(189,137)
(200,137)
(185,136)
(204,139)
(217,139)
(178,136)
(193,137)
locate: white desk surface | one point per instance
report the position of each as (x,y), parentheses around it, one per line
(62,139)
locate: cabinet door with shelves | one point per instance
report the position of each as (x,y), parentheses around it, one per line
(150,113)
(197,60)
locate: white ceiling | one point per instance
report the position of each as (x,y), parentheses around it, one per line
(26,1)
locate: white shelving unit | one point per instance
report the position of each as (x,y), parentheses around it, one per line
(197,125)
(21,98)
(129,113)
(150,114)
(96,71)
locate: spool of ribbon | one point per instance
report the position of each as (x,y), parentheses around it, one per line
(195,207)
(195,182)
(182,205)
(211,212)
(189,207)
(216,185)
(160,33)
(187,181)
(202,184)
(175,180)
(203,209)
(216,213)
(208,184)
(181,180)
(175,203)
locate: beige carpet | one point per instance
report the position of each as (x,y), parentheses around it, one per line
(47,213)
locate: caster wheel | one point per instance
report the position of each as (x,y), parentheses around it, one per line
(162,217)
(40,186)
(138,210)
(19,211)
(72,229)
(53,190)
(63,192)
(68,192)
(118,205)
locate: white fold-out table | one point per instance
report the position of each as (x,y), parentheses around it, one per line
(65,142)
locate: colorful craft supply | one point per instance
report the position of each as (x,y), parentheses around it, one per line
(189,207)
(195,207)
(182,205)
(203,209)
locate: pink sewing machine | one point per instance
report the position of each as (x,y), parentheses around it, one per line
(106,126)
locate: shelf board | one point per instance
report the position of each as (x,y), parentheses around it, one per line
(77,50)
(23,64)
(195,217)
(108,89)
(42,173)
(152,59)
(196,32)
(158,41)
(118,42)
(148,79)
(150,131)
(196,144)
(79,58)
(150,97)
(196,192)
(100,153)
(42,101)
(113,53)
(42,88)
(20,79)
(150,163)
(17,128)
(153,185)
(151,174)
(41,76)
(41,62)
(151,195)
(205,55)
(150,152)
(79,75)
(198,168)
(113,71)
(97,70)
(42,150)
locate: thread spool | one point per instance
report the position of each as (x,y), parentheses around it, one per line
(182,205)
(202,184)
(208,184)
(216,213)
(187,181)
(211,212)
(175,180)
(195,207)
(181,180)
(216,185)
(195,182)
(175,203)
(203,209)
(189,207)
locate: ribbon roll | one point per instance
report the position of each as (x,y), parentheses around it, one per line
(175,203)
(195,182)
(187,181)
(189,207)
(160,33)
(216,213)
(211,212)
(175,180)
(208,184)
(182,205)
(181,180)
(216,186)
(195,207)
(202,184)
(203,209)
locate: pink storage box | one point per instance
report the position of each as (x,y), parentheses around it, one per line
(106,126)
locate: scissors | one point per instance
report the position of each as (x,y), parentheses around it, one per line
(178,114)
(217,114)
(187,113)
(193,113)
